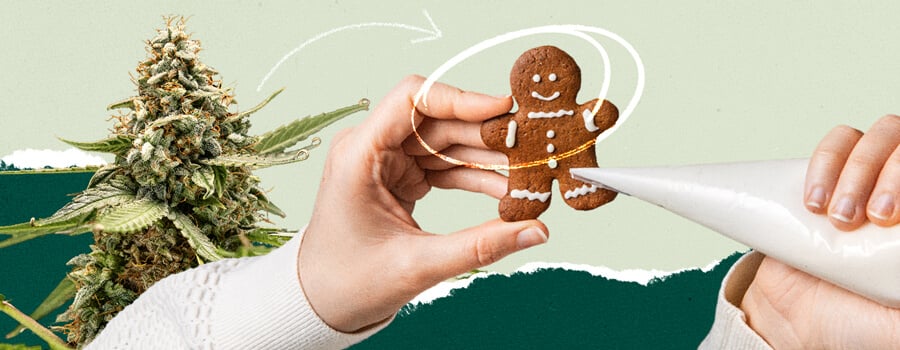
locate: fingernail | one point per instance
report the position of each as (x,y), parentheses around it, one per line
(844,210)
(816,198)
(530,237)
(883,207)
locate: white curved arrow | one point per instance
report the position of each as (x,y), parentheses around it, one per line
(432,34)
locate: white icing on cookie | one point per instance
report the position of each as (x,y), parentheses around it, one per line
(583,190)
(538,96)
(589,120)
(550,148)
(526,194)
(557,114)
(552,77)
(536,78)
(511,134)
(551,134)
(552,163)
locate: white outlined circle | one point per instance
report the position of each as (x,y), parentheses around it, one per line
(569,29)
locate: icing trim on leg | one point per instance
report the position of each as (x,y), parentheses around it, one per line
(580,191)
(526,194)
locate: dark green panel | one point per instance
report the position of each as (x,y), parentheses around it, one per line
(30,270)
(547,309)
(561,309)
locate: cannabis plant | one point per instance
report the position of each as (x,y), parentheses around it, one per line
(181,191)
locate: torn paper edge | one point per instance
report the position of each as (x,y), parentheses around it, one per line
(37,159)
(640,276)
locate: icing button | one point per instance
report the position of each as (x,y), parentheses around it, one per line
(550,148)
(552,163)
(551,134)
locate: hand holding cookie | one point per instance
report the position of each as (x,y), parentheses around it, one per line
(363,256)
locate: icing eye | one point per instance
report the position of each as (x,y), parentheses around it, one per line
(536,78)
(552,77)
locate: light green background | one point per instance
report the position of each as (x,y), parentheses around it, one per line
(726,81)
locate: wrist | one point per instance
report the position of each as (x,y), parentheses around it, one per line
(767,322)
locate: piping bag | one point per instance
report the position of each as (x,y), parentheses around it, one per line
(760,204)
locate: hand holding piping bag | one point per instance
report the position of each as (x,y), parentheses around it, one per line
(853,177)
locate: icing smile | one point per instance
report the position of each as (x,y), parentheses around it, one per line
(538,96)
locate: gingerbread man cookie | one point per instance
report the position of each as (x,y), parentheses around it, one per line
(549,122)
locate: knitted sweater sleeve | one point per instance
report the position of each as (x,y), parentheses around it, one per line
(730,329)
(248,303)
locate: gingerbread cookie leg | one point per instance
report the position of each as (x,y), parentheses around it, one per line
(583,196)
(528,195)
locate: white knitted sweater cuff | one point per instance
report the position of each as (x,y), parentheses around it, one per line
(261,305)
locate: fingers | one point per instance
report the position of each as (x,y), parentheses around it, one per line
(462,153)
(475,247)
(440,134)
(883,207)
(826,164)
(472,180)
(854,176)
(847,210)
(390,121)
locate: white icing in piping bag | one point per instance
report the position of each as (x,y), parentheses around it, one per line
(760,204)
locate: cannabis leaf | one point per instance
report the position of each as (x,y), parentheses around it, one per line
(131,217)
(116,144)
(268,236)
(288,135)
(266,204)
(180,191)
(103,195)
(63,292)
(126,103)
(250,111)
(201,244)
(258,161)
(206,179)
(29,230)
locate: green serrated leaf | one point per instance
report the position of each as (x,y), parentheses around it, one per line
(63,292)
(261,161)
(30,230)
(103,195)
(288,135)
(202,245)
(131,217)
(115,144)
(221,179)
(255,109)
(266,204)
(102,175)
(268,236)
(126,103)
(206,179)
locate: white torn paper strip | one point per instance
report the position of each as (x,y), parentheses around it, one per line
(642,277)
(37,159)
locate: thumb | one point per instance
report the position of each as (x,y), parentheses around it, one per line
(474,247)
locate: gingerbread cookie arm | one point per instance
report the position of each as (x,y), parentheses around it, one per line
(500,133)
(604,119)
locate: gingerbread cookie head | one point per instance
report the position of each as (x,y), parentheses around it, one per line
(545,77)
(549,134)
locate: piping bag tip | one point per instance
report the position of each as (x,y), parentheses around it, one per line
(760,204)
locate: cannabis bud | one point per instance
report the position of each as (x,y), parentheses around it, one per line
(180,192)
